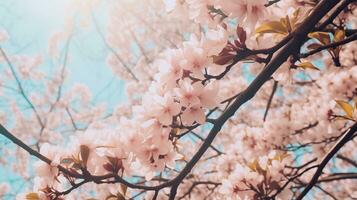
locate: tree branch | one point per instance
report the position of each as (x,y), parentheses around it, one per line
(275,86)
(22,91)
(338,176)
(15,140)
(332,45)
(348,160)
(337,11)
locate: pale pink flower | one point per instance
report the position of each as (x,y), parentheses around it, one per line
(198,10)
(188,93)
(215,40)
(54,42)
(148,154)
(248,12)
(132,140)
(195,61)
(44,170)
(209,96)
(170,69)
(166,108)
(232,187)
(192,114)
(151,127)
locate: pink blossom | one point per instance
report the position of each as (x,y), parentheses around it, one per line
(193,113)
(44,170)
(170,69)
(246,11)
(167,108)
(195,57)
(188,93)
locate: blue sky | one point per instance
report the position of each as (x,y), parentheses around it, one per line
(30,24)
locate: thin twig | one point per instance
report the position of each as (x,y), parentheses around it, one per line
(332,45)
(275,86)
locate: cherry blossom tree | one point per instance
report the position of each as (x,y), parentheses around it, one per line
(227,99)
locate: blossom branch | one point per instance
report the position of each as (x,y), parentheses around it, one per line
(19,84)
(338,176)
(195,184)
(291,179)
(18,142)
(297,40)
(289,46)
(117,56)
(348,135)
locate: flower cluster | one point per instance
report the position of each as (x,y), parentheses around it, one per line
(263,177)
(176,94)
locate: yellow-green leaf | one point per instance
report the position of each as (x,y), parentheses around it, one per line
(307,65)
(272,27)
(32,196)
(339,35)
(295,17)
(254,166)
(323,37)
(286,22)
(346,107)
(280,157)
